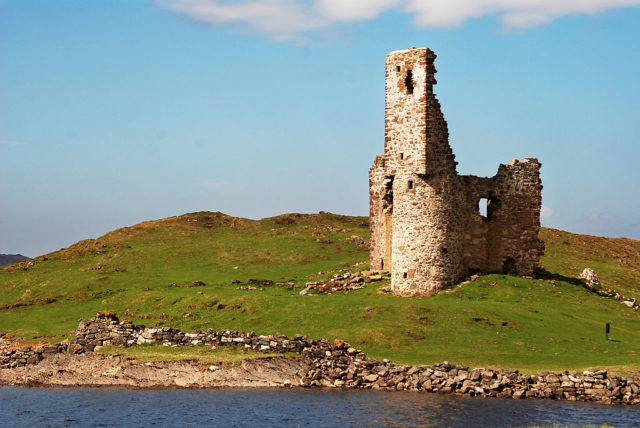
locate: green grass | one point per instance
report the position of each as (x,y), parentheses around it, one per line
(495,321)
(224,356)
(615,260)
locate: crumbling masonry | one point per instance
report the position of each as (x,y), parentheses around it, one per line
(426,225)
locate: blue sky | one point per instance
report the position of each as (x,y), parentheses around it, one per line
(114,112)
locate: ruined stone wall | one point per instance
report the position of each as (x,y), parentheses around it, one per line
(506,239)
(426,244)
(416,134)
(476,226)
(380,210)
(426,227)
(514,218)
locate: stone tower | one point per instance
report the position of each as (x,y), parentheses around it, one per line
(426,226)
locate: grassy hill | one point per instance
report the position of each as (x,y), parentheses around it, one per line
(146,273)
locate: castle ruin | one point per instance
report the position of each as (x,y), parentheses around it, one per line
(426,225)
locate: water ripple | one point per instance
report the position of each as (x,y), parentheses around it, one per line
(59,407)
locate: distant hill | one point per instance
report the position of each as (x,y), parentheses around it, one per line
(7,259)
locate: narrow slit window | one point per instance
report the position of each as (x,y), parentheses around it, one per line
(401,156)
(404,275)
(410,185)
(398,68)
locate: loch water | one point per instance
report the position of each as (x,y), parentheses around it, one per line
(60,407)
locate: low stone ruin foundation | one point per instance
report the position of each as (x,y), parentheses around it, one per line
(335,364)
(426,224)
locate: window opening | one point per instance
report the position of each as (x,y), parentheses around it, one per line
(410,184)
(404,275)
(482,207)
(397,68)
(401,156)
(408,82)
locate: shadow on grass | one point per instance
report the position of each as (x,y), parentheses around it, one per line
(542,273)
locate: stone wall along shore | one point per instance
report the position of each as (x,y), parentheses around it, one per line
(335,364)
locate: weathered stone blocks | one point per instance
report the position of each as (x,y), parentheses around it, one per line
(426,227)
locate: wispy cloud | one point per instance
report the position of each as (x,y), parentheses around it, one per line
(13,143)
(281,20)
(291,20)
(547,212)
(513,14)
(595,217)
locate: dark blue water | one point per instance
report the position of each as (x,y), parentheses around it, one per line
(44,407)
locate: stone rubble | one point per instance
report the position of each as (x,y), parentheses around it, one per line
(335,364)
(592,283)
(261,284)
(589,275)
(358,241)
(10,358)
(341,283)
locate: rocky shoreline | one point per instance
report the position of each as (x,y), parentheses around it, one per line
(95,370)
(325,364)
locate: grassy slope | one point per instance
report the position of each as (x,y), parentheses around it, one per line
(497,320)
(616,260)
(224,356)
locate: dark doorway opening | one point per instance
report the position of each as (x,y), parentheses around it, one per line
(509,266)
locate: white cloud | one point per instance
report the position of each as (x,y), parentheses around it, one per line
(289,20)
(354,10)
(12,143)
(513,14)
(279,19)
(547,212)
